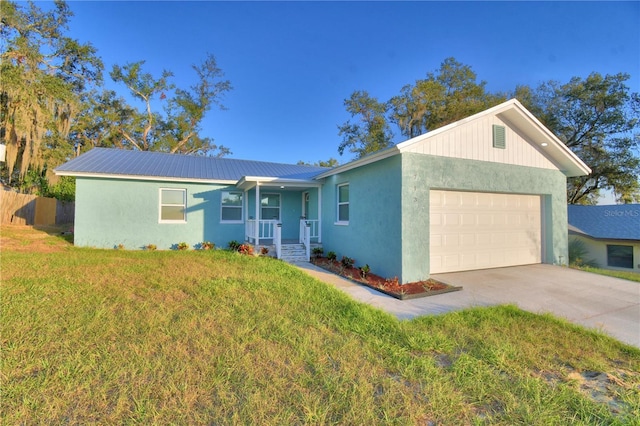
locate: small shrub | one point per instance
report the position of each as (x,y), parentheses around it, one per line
(317,251)
(347,262)
(245,249)
(264,251)
(393,284)
(364,270)
(182,246)
(577,253)
(119,247)
(207,245)
(332,255)
(150,247)
(233,245)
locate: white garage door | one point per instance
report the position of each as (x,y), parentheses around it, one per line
(476,230)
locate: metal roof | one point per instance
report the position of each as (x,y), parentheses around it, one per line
(110,162)
(616,222)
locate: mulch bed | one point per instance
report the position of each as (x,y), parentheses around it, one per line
(387,286)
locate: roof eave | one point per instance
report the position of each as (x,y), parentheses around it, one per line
(248,182)
(142,177)
(372,158)
(568,162)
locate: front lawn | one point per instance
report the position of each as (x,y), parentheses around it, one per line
(625,275)
(213,337)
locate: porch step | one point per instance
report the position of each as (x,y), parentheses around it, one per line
(293,253)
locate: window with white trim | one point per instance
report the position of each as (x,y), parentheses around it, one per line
(343,203)
(231,206)
(270,206)
(173,205)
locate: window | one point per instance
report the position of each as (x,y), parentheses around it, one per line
(231,206)
(343,203)
(173,203)
(620,256)
(270,206)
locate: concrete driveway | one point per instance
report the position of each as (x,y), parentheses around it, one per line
(611,305)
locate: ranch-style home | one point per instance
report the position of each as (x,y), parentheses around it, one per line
(486,191)
(610,235)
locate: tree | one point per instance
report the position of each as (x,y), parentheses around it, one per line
(42,73)
(372,133)
(102,115)
(448,95)
(177,131)
(598,119)
(331,162)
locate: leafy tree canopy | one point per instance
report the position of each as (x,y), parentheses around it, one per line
(178,129)
(447,95)
(331,162)
(598,118)
(372,132)
(42,75)
(53,105)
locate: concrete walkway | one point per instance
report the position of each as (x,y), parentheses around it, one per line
(611,305)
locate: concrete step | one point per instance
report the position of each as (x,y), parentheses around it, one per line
(295,259)
(293,253)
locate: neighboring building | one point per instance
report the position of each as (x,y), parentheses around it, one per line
(610,234)
(486,191)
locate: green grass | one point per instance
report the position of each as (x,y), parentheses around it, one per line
(135,337)
(625,275)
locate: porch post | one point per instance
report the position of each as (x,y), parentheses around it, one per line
(307,240)
(257,231)
(319,214)
(277,236)
(245,206)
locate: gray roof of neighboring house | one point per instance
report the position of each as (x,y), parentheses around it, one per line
(119,162)
(617,222)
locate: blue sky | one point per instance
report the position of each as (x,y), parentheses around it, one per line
(293,63)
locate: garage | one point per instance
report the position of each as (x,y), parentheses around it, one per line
(479,230)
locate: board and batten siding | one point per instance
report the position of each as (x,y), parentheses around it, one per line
(474,141)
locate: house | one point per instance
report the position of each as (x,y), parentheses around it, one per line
(487,191)
(609,234)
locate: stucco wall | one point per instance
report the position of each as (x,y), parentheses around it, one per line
(421,173)
(389,208)
(110,212)
(373,235)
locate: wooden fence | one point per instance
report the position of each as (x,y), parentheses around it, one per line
(25,209)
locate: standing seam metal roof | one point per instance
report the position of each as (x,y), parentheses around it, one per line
(110,161)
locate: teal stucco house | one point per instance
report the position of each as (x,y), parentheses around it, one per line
(487,191)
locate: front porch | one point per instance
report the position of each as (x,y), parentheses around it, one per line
(290,250)
(282,216)
(269,235)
